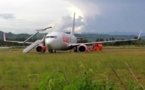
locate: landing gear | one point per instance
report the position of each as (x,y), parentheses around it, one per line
(51,51)
(75,49)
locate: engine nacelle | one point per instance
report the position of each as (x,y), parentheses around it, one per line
(41,48)
(82,48)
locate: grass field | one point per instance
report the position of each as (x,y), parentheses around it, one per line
(20,71)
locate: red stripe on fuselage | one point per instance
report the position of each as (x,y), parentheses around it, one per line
(65,38)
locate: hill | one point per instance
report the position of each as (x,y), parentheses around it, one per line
(90,37)
(14,36)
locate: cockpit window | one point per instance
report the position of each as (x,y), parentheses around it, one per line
(51,36)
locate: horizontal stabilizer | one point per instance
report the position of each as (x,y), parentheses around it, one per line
(30,47)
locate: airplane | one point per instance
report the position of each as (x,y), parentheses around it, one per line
(55,40)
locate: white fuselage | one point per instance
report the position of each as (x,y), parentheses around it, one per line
(59,40)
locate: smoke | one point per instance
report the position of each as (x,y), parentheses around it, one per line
(85,14)
(66,22)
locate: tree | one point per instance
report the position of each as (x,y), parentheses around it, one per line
(81,40)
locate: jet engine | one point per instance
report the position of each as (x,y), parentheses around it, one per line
(82,48)
(41,48)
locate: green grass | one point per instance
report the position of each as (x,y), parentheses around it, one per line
(24,71)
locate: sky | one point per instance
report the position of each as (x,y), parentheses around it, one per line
(92,16)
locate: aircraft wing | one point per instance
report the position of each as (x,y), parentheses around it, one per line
(89,43)
(26,41)
(109,41)
(21,42)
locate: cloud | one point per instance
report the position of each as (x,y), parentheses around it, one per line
(66,22)
(84,16)
(105,16)
(28,15)
(7,16)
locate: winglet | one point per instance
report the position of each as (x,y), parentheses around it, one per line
(139,35)
(4,36)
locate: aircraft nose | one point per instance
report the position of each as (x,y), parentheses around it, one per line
(49,43)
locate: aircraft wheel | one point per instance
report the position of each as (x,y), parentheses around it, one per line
(75,49)
(50,51)
(54,51)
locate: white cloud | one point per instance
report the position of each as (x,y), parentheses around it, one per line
(7,16)
(66,22)
(84,14)
(31,14)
